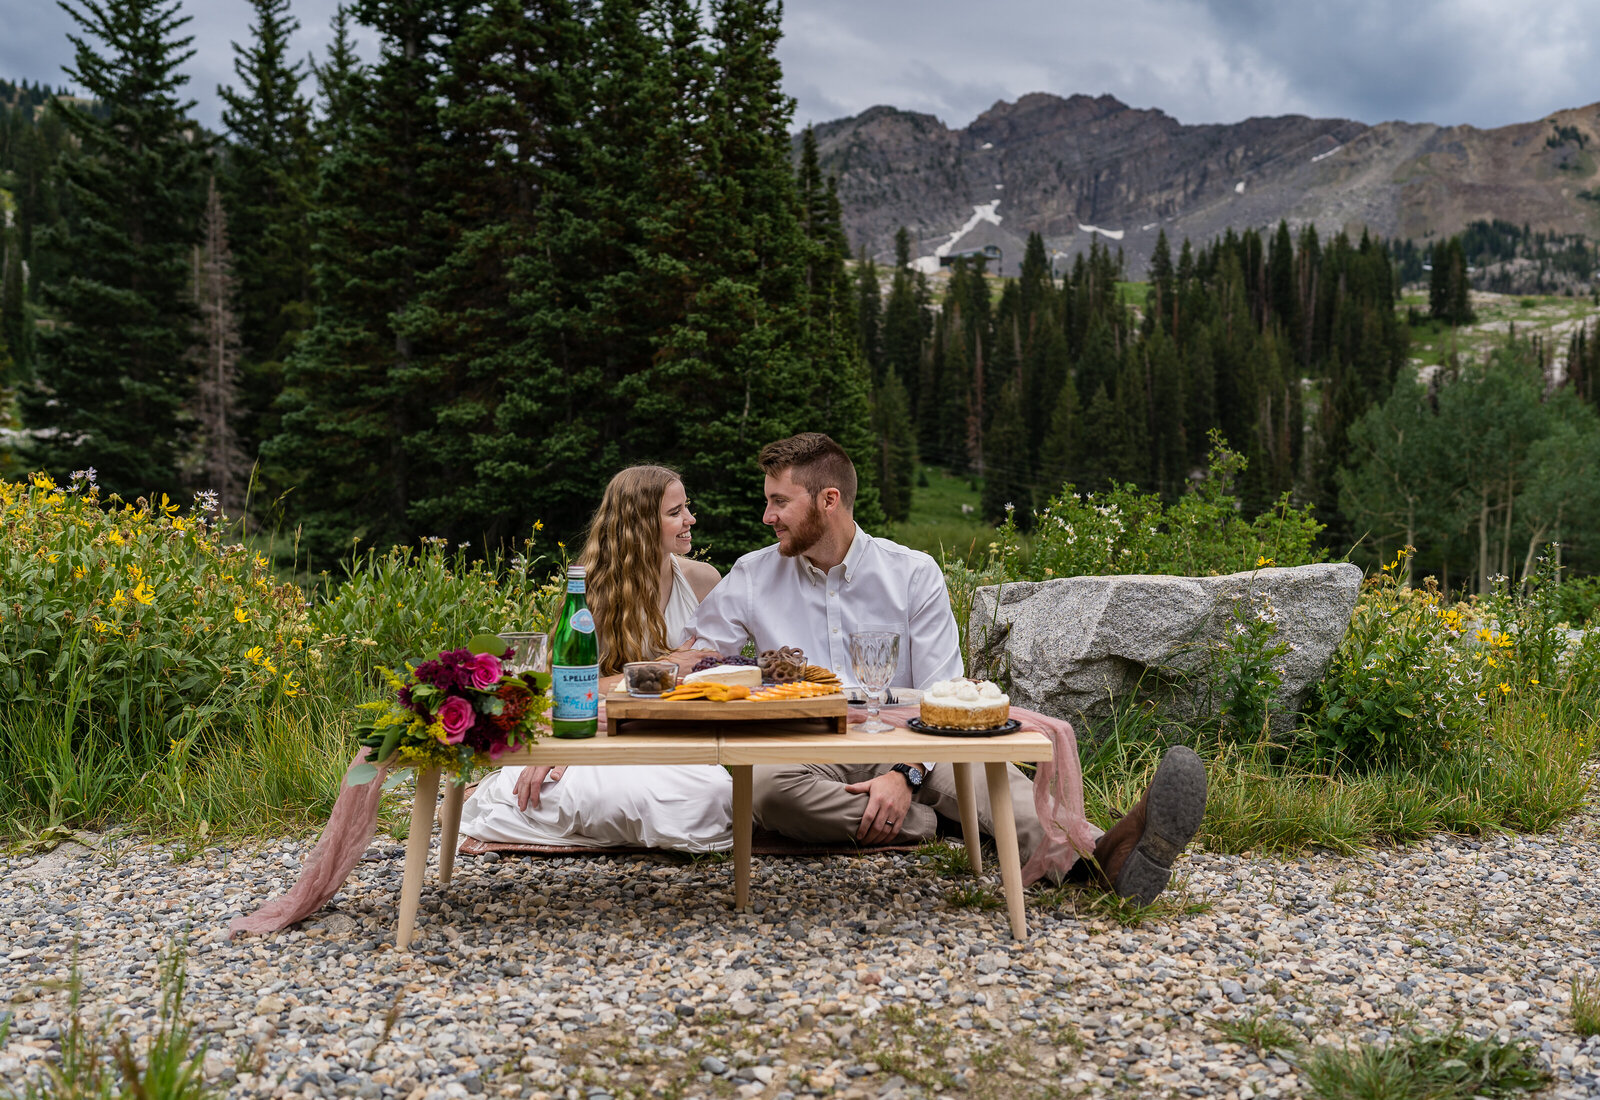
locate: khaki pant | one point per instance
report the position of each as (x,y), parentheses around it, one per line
(808,802)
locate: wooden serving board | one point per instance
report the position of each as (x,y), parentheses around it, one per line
(829,712)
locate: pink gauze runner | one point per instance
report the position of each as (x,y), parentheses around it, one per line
(1057,797)
(1057,794)
(344,838)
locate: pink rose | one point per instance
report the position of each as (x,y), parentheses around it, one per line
(456,716)
(485,671)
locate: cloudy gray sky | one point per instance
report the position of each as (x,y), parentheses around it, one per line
(1484,62)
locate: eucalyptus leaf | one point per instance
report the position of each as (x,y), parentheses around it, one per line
(360,775)
(391,739)
(395,779)
(487,643)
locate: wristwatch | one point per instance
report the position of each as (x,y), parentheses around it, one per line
(914,775)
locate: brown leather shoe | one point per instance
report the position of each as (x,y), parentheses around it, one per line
(1135,856)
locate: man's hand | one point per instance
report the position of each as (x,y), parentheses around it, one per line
(686,659)
(888,798)
(530,781)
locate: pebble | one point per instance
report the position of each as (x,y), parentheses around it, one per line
(586,979)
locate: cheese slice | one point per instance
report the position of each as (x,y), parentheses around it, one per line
(748,675)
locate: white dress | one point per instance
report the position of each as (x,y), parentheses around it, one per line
(687,807)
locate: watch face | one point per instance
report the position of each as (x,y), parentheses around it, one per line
(916,776)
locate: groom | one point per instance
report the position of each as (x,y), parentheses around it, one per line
(825,578)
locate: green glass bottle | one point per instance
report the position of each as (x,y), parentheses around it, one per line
(575,665)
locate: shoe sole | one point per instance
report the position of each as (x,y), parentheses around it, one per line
(1177,803)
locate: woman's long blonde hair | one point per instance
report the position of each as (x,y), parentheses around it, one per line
(623,559)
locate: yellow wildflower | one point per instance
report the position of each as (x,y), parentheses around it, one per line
(54,558)
(255,655)
(119,599)
(179,523)
(144,593)
(1534,680)
(1505,689)
(240,615)
(43,481)
(291,687)
(1264,561)
(115,538)
(79,573)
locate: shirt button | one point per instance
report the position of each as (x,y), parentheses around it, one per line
(836,630)
(831,592)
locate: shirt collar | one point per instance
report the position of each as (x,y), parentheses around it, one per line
(852,558)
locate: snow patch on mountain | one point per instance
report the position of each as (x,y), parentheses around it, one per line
(1111,234)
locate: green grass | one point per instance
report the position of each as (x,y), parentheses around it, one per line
(938,526)
(1525,776)
(1425,1067)
(1586,1006)
(1433,343)
(1262,1033)
(97,1065)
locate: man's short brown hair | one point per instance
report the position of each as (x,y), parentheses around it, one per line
(816,462)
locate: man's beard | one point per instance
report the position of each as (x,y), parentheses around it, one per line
(806,535)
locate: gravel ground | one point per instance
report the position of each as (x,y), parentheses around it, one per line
(855,977)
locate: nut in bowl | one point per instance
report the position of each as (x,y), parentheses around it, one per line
(649,679)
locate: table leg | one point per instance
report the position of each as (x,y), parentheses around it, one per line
(450,829)
(743,819)
(426,801)
(1005,839)
(967,800)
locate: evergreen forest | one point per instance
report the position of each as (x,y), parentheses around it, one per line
(447,291)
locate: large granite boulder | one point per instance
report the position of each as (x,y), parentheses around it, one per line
(1079,647)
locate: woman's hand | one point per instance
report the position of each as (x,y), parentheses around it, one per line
(531,780)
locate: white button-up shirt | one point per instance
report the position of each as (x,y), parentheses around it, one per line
(778,601)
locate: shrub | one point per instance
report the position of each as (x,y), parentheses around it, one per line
(1403,689)
(138,614)
(1125,531)
(1245,675)
(413,603)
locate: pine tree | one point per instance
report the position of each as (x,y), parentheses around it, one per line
(112,383)
(897,448)
(1099,435)
(13,309)
(1059,455)
(869,318)
(954,397)
(1006,481)
(219,461)
(506,112)
(906,326)
(268,187)
(340,83)
(350,400)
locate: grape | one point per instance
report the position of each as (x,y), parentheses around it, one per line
(712,662)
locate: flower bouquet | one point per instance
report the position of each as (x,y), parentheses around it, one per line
(458,711)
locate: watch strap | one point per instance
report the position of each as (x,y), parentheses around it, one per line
(906,770)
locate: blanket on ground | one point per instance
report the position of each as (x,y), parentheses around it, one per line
(1057,796)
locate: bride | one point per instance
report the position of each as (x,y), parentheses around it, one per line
(643,591)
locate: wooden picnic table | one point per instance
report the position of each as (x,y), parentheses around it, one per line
(740,746)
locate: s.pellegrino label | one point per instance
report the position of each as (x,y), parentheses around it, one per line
(575,665)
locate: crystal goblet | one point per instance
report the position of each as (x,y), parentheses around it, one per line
(529,651)
(873,657)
